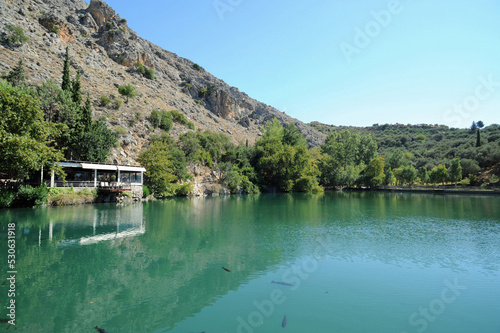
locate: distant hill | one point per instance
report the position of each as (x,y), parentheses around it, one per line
(108,54)
(430,145)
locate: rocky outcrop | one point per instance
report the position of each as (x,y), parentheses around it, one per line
(101,12)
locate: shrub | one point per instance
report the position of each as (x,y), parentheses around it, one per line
(105,100)
(184,189)
(16,36)
(117,103)
(145,191)
(109,25)
(197,67)
(421,137)
(465,182)
(128,91)
(150,74)
(202,93)
(120,130)
(54,28)
(123,21)
(29,196)
(6,198)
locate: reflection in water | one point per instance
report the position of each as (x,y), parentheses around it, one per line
(157,266)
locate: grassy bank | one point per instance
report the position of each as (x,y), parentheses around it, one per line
(71,196)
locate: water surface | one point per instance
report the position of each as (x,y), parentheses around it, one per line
(351,262)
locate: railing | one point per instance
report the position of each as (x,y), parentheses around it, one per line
(115,186)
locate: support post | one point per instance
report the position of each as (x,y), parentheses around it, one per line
(95,177)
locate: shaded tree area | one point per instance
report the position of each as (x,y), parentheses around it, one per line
(48,123)
(427,146)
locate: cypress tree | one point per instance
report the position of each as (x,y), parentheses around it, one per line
(66,82)
(76,89)
(16,76)
(478,138)
(87,114)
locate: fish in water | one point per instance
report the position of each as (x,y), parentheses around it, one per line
(283,324)
(227,270)
(101,330)
(4,320)
(4,283)
(283,283)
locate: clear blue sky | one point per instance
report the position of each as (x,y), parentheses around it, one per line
(341,62)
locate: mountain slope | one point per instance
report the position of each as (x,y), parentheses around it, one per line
(105,49)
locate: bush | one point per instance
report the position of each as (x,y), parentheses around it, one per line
(184,189)
(465,182)
(145,191)
(16,36)
(128,91)
(29,196)
(6,198)
(166,121)
(105,100)
(109,25)
(150,73)
(120,130)
(202,93)
(54,28)
(197,67)
(117,103)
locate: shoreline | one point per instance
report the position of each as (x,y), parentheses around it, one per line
(447,190)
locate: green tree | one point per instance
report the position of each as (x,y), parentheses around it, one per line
(479,126)
(87,114)
(407,175)
(17,75)
(281,165)
(455,171)
(96,142)
(128,91)
(396,159)
(439,174)
(15,36)
(423,175)
(190,145)
(389,177)
(66,82)
(160,175)
(76,89)
(25,137)
(373,174)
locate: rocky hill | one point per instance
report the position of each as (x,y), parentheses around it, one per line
(108,53)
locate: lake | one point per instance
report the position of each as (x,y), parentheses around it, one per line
(335,262)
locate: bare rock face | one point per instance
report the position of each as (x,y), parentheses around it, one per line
(101,12)
(55,24)
(224,105)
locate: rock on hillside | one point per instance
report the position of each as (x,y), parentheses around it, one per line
(105,49)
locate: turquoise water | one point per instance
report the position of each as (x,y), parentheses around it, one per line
(350,262)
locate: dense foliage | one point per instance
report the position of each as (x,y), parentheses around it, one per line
(429,148)
(42,124)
